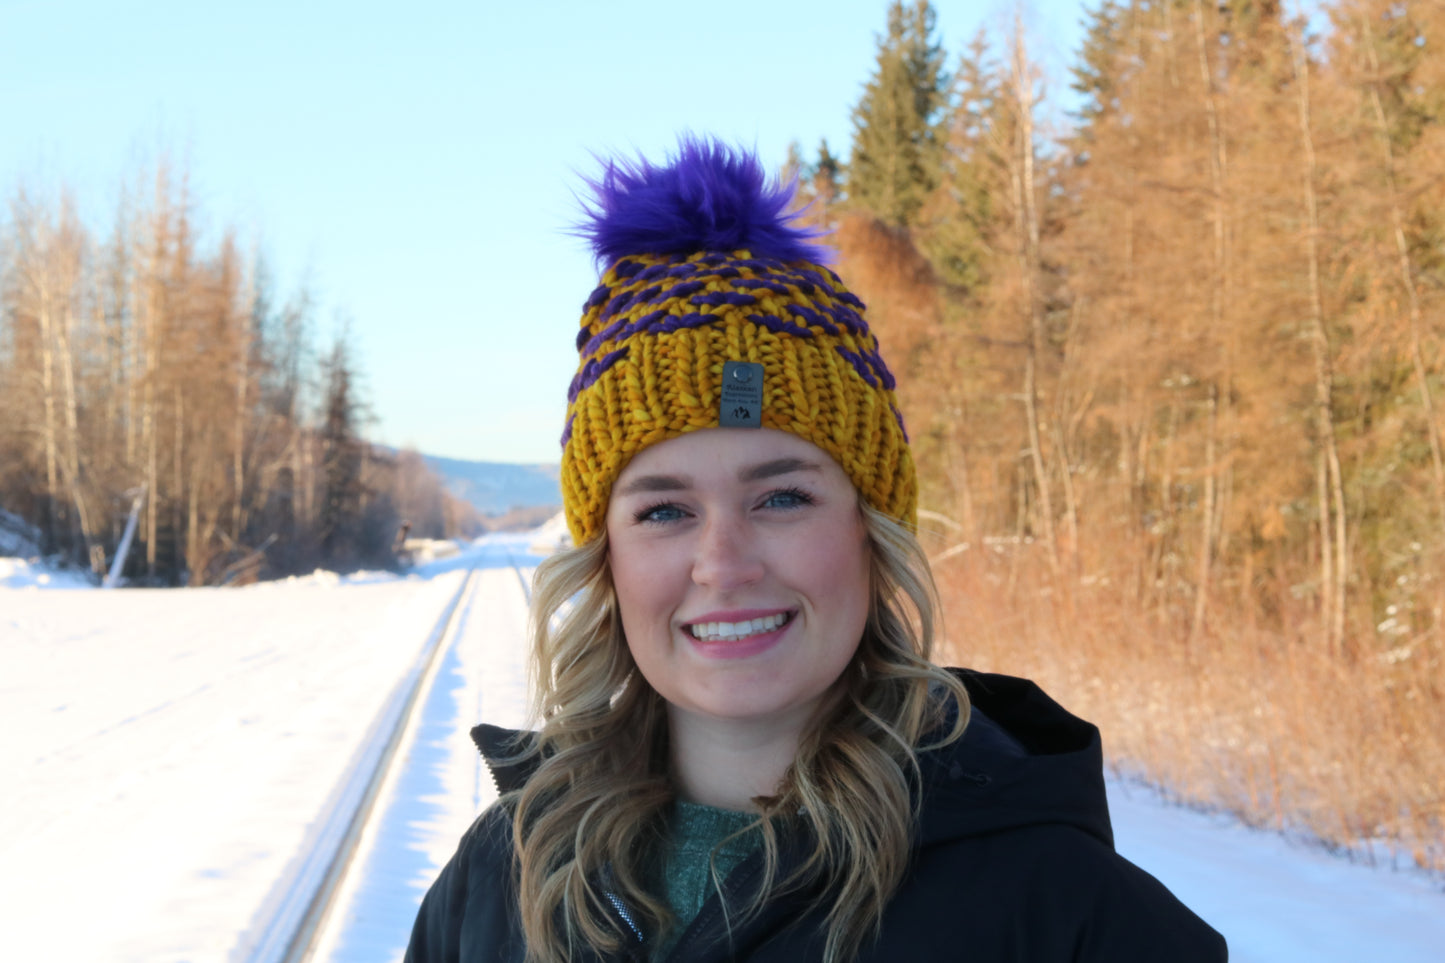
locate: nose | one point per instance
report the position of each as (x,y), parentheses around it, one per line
(726,555)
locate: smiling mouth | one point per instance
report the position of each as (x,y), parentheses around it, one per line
(736,631)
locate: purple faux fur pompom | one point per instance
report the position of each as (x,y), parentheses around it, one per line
(710,197)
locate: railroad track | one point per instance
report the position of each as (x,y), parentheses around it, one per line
(291,929)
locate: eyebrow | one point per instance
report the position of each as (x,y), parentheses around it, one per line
(655,483)
(674,483)
(778,466)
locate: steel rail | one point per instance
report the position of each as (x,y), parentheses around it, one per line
(295,921)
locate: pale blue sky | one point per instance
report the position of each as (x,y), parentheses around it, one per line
(417,166)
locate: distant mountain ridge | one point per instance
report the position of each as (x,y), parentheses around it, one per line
(496,487)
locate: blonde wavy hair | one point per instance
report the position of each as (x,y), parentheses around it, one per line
(591,820)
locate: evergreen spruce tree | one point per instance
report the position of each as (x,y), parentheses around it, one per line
(957,222)
(896,141)
(1096,74)
(827,175)
(342,492)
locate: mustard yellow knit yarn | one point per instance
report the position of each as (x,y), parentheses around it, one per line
(655,335)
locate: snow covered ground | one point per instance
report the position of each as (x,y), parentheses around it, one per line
(1274,900)
(168,752)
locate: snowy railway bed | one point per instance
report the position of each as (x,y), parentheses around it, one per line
(303,902)
(183,765)
(171,753)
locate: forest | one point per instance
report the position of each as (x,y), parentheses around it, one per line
(1171,370)
(151,369)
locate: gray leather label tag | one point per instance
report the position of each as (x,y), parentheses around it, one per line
(741,402)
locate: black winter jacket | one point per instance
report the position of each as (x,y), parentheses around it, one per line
(1015,863)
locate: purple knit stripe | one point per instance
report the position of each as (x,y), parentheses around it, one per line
(750,284)
(626,268)
(870,365)
(669,269)
(778,272)
(655,322)
(779,325)
(593,370)
(806,279)
(875,361)
(567,430)
(684,289)
(678,322)
(650,318)
(898,417)
(599,294)
(728,268)
(606,334)
(687,269)
(841,319)
(882,367)
(851,320)
(622,328)
(815,318)
(616,304)
(859,365)
(716,298)
(654,272)
(810,275)
(776,277)
(758,265)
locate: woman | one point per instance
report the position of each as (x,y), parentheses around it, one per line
(745,753)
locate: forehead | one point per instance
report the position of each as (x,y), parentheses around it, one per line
(726,450)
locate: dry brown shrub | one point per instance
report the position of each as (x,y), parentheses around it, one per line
(886,270)
(1348,749)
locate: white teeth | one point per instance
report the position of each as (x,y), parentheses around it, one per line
(714,631)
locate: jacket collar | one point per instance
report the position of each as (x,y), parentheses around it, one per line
(1023,760)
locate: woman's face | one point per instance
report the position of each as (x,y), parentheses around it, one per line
(741,565)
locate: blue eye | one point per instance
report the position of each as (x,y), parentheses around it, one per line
(665,512)
(787,498)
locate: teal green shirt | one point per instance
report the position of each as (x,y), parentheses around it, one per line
(698,841)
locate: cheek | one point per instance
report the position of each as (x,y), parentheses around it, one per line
(844,585)
(642,587)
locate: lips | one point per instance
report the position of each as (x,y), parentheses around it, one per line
(736,629)
(738,634)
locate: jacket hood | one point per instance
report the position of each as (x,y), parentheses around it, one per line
(1023,760)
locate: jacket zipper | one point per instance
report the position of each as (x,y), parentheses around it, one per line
(621,909)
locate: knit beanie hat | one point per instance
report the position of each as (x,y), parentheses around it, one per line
(715,308)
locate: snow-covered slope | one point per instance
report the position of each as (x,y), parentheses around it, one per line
(166,750)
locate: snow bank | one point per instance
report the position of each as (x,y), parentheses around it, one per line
(1277,899)
(423,550)
(551,536)
(20,573)
(18,537)
(20,564)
